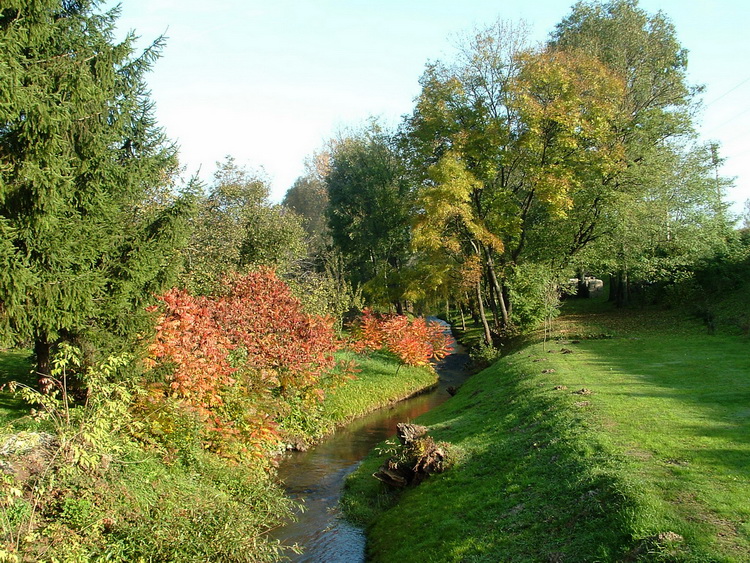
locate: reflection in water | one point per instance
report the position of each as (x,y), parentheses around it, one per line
(317,476)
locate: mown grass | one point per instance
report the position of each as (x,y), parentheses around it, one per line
(650,462)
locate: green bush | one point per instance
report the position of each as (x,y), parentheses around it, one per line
(534,294)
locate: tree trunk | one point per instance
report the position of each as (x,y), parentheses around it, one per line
(501,297)
(613,288)
(507,303)
(583,288)
(472,308)
(43,352)
(621,289)
(482,316)
(493,298)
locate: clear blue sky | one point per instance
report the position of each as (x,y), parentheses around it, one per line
(268,82)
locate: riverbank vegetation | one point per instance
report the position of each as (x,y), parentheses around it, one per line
(115,480)
(182,334)
(623,438)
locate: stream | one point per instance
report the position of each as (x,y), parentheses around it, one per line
(316,477)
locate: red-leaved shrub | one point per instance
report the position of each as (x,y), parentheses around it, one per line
(239,359)
(414,341)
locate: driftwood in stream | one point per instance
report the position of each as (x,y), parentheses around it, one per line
(416,458)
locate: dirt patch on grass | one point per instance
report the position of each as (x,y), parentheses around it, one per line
(639,455)
(731,541)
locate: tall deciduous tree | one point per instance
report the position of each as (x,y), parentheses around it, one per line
(674,220)
(308,197)
(368,212)
(658,106)
(86,237)
(507,138)
(237,228)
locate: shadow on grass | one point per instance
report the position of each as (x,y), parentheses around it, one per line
(697,386)
(14,366)
(530,483)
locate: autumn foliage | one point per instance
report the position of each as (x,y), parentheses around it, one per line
(239,359)
(414,341)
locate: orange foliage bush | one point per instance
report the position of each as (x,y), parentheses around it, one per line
(415,342)
(237,359)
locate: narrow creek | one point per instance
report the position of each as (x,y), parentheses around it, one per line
(316,477)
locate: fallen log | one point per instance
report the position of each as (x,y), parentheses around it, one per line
(390,477)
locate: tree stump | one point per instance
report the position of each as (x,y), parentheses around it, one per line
(407,433)
(419,457)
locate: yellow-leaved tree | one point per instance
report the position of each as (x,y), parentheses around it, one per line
(510,140)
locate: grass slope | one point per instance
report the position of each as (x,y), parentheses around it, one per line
(649,462)
(379,381)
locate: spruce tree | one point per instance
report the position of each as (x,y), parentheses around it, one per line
(88,228)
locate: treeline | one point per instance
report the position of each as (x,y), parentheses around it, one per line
(522,166)
(519,167)
(198,322)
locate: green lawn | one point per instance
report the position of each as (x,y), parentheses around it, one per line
(679,407)
(650,462)
(15,365)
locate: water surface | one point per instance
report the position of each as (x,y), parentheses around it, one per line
(316,477)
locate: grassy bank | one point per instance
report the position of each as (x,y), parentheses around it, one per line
(632,446)
(379,382)
(109,484)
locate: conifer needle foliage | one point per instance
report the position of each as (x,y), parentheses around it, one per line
(87,229)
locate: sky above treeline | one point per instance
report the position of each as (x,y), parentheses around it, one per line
(269,82)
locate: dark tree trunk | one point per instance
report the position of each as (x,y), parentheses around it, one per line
(42,353)
(621,289)
(583,288)
(472,309)
(613,288)
(474,316)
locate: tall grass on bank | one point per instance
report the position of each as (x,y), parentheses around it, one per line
(380,381)
(624,439)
